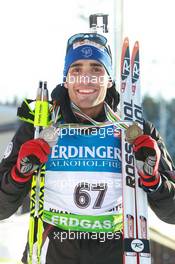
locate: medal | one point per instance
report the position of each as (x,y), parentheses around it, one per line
(50,135)
(132,132)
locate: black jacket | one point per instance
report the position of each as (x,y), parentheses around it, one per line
(12,193)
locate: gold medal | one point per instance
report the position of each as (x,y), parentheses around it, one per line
(132,132)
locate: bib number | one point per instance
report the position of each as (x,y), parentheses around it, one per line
(82,197)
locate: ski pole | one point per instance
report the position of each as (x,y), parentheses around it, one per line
(37,187)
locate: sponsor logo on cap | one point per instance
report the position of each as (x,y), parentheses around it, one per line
(87,52)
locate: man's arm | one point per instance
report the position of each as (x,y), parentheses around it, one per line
(162,200)
(12,193)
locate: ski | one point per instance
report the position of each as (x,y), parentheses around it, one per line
(128,170)
(135,229)
(141,196)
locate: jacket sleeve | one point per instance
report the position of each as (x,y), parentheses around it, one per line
(11,192)
(162,201)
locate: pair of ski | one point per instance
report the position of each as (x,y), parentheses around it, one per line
(135,206)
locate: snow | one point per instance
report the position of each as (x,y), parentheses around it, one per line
(163,228)
(13,237)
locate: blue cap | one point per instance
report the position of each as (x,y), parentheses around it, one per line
(88,52)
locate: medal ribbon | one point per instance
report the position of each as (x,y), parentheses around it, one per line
(112,119)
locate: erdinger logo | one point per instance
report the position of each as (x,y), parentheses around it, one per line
(102,152)
(87,52)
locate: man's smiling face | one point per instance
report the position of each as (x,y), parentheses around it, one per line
(87,83)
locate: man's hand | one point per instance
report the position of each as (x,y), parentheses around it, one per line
(31,155)
(147,154)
